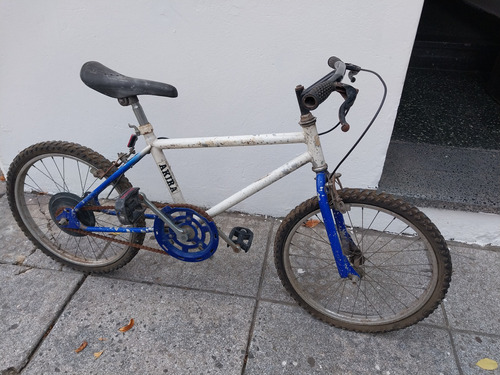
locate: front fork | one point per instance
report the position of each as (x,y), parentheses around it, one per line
(343,265)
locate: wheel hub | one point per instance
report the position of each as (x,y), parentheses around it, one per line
(61,201)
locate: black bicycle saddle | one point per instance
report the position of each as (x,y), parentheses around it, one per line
(110,83)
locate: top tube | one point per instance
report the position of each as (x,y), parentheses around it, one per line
(230,141)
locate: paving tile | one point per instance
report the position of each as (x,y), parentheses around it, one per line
(3,188)
(473,347)
(176,331)
(14,246)
(436,318)
(179,329)
(39,260)
(226,271)
(472,300)
(30,301)
(288,341)
(272,289)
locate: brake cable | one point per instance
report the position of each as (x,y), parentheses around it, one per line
(369,124)
(331,129)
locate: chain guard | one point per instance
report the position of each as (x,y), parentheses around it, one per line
(203,237)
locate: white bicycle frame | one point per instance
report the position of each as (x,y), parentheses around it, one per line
(155,146)
(308,136)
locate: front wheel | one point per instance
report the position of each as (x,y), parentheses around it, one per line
(403,260)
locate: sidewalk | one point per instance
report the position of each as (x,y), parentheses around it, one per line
(208,317)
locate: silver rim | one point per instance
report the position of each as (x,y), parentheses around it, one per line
(400,267)
(50,174)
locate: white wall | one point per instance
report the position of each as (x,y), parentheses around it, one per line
(235,65)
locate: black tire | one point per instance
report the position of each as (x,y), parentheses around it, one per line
(405,265)
(45,169)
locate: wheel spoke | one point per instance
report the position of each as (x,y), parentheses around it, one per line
(397,263)
(54,179)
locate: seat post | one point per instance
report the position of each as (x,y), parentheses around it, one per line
(139,113)
(136,107)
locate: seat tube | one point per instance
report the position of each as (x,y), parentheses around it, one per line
(146,130)
(168,175)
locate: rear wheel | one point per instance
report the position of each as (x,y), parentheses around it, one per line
(48,177)
(403,260)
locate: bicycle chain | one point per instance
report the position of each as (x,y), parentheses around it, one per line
(132,244)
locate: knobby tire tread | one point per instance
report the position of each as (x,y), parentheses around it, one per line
(388,202)
(85,154)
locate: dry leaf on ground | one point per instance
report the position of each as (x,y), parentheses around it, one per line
(98,354)
(311,223)
(128,326)
(487,364)
(81,347)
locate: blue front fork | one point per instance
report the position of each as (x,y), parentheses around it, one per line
(344,267)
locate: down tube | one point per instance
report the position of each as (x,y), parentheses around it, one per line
(343,265)
(257,186)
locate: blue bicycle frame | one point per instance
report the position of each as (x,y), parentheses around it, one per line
(333,221)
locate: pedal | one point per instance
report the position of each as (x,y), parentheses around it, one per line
(128,207)
(242,237)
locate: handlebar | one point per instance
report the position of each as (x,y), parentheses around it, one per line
(317,93)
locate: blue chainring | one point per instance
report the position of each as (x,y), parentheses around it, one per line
(203,237)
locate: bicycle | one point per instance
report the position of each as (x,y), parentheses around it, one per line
(357,259)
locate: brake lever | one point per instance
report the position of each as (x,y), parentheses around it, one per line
(349,94)
(353,70)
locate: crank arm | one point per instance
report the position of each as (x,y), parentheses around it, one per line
(181,235)
(230,243)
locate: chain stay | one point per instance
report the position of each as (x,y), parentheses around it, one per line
(131,244)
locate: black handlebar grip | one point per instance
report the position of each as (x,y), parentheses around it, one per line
(317,94)
(312,97)
(332,60)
